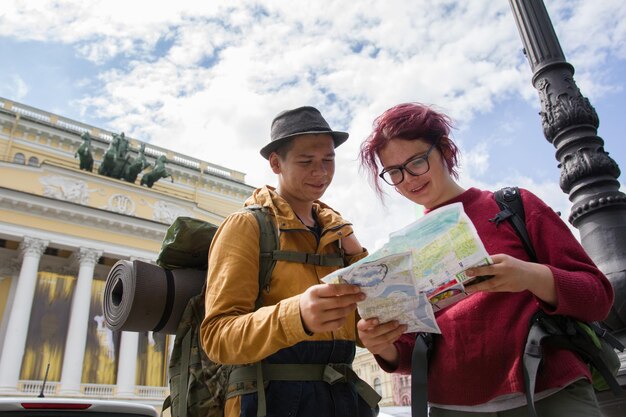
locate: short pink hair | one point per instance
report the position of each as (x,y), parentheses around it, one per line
(409,121)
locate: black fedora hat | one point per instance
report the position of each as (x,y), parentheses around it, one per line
(301,121)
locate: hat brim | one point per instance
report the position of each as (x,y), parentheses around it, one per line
(338,139)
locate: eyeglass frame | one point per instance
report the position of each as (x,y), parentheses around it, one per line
(403,167)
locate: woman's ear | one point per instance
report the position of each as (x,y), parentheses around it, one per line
(445,149)
(275,162)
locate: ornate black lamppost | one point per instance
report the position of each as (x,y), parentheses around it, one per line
(588,174)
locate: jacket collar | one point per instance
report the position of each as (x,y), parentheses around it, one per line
(286,217)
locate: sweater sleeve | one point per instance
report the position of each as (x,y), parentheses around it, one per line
(576,277)
(405,345)
(231,324)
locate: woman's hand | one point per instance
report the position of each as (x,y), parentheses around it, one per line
(378,338)
(509,274)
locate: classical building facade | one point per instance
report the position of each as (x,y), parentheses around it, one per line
(61,231)
(395,389)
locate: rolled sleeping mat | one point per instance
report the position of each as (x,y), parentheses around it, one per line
(139,296)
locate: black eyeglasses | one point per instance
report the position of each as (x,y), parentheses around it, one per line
(416,166)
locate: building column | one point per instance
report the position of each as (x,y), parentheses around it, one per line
(19,317)
(127,365)
(9,269)
(79,320)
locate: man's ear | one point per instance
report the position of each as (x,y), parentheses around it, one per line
(275,162)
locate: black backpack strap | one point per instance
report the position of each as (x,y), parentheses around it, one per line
(601,366)
(419,375)
(604,334)
(533,354)
(596,347)
(512,209)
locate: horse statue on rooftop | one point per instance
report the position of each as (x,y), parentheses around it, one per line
(108,162)
(139,164)
(115,158)
(158,172)
(84,153)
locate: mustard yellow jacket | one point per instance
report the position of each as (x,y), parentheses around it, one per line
(232,331)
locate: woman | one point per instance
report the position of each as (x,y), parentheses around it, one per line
(476,364)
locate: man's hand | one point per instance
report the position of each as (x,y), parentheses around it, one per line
(325,307)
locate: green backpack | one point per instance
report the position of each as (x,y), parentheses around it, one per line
(198,386)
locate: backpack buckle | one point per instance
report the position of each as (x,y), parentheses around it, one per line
(314,259)
(509,193)
(333,374)
(501,216)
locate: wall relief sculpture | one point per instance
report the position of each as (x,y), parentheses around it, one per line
(66,189)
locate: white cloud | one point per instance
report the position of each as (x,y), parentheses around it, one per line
(206,78)
(16,88)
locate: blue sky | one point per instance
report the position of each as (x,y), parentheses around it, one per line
(206,79)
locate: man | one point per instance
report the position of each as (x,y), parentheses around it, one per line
(300,321)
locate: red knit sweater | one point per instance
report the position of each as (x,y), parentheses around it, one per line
(478,355)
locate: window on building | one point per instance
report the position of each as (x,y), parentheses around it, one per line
(19,158)
(33,161)
(378,386)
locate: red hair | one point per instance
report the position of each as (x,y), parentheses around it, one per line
(408,121)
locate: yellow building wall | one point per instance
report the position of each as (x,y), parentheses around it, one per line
(193,187)
(75,229)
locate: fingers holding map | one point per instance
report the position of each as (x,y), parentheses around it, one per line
(419,270)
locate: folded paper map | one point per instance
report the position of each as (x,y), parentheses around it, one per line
(419,270)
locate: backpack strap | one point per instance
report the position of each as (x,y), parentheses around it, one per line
(270,251)
(183,380)
(567,333)
(533,353)
(603,333)
(512,209)
(317,259)
(419,374)
(331,373)
(597,355)
(268,243)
